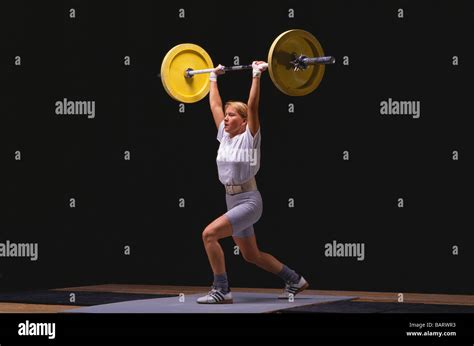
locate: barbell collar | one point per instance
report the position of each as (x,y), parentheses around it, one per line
(323,60)
(302,62)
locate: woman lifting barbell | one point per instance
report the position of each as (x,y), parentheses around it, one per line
(238,161)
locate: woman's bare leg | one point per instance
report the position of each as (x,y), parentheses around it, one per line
(251,253)
(217,229)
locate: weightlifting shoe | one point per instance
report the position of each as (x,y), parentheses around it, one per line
(216,296)
(294,288)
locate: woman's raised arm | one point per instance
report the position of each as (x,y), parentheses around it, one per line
(215,100)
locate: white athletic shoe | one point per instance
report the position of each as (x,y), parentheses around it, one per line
(215,296)
(294,288)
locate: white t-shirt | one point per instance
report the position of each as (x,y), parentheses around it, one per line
(238,158)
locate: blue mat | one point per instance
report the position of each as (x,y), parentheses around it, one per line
(243,303)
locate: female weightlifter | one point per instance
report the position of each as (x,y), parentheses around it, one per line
(238,161)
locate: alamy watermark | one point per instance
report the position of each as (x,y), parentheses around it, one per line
(391,107)
(66,107)
(9,249)
(336,249)
(238,155)
(28,328)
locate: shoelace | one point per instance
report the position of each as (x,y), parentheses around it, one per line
(288,286)
(210,293)
(213,289)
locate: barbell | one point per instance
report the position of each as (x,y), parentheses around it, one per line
(296,65)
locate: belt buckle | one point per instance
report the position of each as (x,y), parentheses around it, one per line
(233,189)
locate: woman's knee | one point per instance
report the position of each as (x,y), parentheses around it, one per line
(217,229)
(209,235)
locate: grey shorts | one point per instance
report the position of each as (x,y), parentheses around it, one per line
(243,210)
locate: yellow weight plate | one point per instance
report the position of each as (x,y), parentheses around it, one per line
(173,67)
(289,44)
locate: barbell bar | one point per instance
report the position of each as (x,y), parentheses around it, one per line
(299,63)
(190,72)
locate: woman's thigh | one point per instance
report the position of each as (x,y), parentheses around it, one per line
(219,228)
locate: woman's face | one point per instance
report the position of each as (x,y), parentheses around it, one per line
(233,122)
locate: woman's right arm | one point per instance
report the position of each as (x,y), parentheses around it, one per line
(215,100)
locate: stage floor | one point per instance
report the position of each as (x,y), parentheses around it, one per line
(386,297)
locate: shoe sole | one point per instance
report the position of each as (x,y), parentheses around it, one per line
(222,302)
(301,289)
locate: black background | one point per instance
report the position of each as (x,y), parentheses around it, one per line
(135,202)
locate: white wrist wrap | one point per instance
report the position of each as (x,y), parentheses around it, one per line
(213,77)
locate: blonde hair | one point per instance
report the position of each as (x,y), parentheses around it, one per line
(240,107)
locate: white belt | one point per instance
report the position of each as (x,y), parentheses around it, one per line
(250,185)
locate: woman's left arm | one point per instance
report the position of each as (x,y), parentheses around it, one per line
(254,97)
